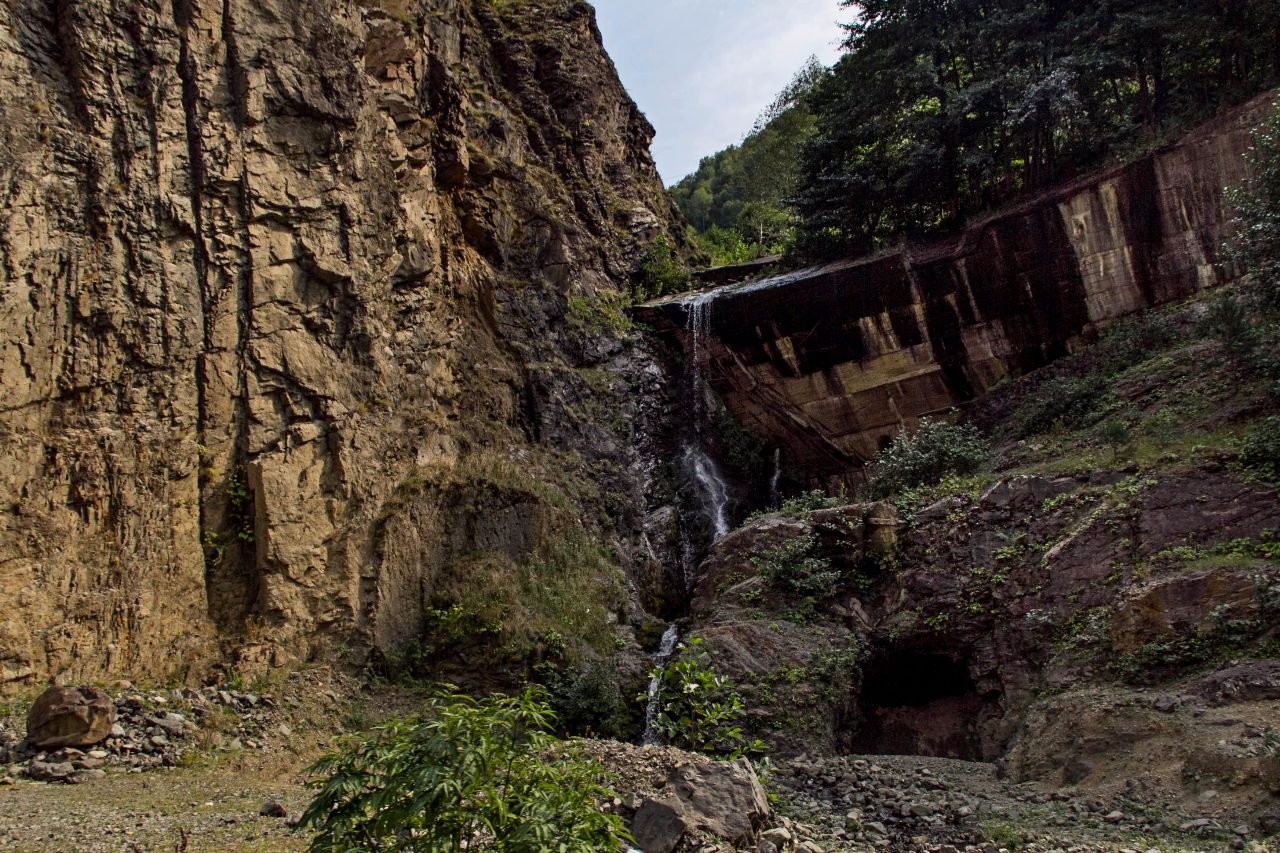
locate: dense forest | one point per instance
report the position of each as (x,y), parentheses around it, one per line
(940,109)
(738,201)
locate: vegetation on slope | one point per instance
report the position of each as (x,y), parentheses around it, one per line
(738,200)
(465,774)
(938,112)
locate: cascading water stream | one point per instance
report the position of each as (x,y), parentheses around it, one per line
(713,488)
(775,482)
(666,649)
(713,494)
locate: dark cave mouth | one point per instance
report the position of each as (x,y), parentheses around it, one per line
(920,703)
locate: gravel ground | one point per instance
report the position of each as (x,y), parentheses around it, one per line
(186,809)
(214,800)
(912,803)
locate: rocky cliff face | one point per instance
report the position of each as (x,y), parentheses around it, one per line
(310,326)
(829,363)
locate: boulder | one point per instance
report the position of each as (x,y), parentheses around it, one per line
(658,826)
(724,798)
(70,716)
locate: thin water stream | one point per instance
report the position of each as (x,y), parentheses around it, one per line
(666,649)
(713,492)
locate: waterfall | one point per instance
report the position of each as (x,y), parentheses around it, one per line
(698,325)
(666,649)
(775,482)
(713,493)
(713,488)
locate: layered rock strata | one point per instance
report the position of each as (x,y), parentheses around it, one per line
(302,304)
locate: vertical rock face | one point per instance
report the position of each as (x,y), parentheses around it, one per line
(283,298)
(831,362)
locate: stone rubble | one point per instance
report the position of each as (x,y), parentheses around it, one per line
(942,806)
(151,730)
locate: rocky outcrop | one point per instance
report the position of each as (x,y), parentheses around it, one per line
(829,363)
(944,642)
(724,800)
(305,307)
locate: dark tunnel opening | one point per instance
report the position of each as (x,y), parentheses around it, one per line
(919,703)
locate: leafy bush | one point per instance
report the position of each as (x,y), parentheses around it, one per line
(699,709)
(659,273)
(1070,400)
(812,501)
(1134,340)
(589,699)
(1118,436)
(466,774)
(741,447)
(1256,242)
(795,568)
(935,450)
(1260,449)
(1227,318)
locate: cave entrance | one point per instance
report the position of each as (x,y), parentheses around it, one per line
(919,703)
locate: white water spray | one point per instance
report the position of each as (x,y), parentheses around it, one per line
(775,482)
(713,488)
(666,649)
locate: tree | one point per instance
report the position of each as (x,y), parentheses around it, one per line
(1256,242)
(940,109)
(747,186)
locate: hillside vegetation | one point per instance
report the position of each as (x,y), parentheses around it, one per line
(938,111)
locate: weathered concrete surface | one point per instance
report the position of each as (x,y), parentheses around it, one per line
(283,290)
(830,362)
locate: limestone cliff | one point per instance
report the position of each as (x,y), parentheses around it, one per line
(308,313)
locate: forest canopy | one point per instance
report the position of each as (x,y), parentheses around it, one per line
(738,201)
(941,109)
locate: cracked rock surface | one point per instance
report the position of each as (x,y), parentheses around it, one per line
(262,265)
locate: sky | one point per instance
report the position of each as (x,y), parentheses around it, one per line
(702,70)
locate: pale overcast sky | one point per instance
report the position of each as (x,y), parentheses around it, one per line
(702,70)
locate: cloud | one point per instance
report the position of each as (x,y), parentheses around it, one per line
(702,70)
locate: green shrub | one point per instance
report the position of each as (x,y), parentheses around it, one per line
(1256,242)
(935,450)
(1260,449)
(589,700)
(741,447)
(812,501)
(1004,835)
(599,314)
(794,567)
(1134,340)
(698,708)
(659,273)
(1117,435)
(1072,401)
(1227,319)
(467,774)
